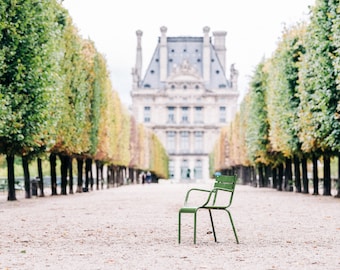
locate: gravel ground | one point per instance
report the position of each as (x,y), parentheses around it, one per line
(135,227)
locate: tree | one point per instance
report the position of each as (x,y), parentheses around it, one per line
(29,35)
(282,99)
(257,134)
(319,128)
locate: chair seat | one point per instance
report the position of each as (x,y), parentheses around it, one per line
(188,209)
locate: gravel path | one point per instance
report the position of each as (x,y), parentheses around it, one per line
(135,227)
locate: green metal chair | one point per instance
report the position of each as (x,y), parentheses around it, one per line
(224,186)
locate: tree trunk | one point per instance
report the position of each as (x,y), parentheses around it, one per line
(41,177)
(288,175)
(80,163)
(25,167)
(253,176)
(88,174)
(97,162)
(70,175)
(91,173)
(261,176)
(64,159)
(120,176)
(274,176)
(326,175)
(115,176)
(315,175)
(280,180)
(11,179)
(131,176)
(305,175)
(108,175)
(267,174)
(338,180)
(101,175)
(297,174)
(53,165)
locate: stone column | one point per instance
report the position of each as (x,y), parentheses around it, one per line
(206,55)
(163,55)
(136,72)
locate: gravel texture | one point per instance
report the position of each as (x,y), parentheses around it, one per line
(135,227)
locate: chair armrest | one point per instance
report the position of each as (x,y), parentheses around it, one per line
(199,190)
(216,189)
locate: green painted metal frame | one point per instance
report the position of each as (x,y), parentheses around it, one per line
(223,183)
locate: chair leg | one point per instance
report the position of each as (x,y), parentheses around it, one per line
(195,219)
(179,227)
(212,224)
(232,224)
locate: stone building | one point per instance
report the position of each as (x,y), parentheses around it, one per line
(185,97)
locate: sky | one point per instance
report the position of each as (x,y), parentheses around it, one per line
(253,30)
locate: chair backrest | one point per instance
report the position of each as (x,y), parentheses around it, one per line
(226,183)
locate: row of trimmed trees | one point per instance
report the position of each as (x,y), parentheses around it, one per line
(290,117)
(56,101)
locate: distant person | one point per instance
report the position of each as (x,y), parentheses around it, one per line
(148,177)
(143,178)
(188,173)
(218,173)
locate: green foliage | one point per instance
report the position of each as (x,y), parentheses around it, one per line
(98,86)
(29,36)
(319,128)
(258,128)
(282,99)
(56,95)
(73,126)
(293,107)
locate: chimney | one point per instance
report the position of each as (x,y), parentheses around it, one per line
(219,45)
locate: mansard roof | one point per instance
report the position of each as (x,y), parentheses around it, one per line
(185,50)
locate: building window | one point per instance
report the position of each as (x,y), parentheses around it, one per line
(147,114)
(171,169)
(223,114)
(171,141)
(198,144)
(198,169)
(198,115)
(184,144)
(185,115)
(185,171)
(171,115)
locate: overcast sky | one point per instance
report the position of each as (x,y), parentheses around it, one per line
(253,29)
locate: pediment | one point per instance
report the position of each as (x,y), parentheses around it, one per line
(184,73)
